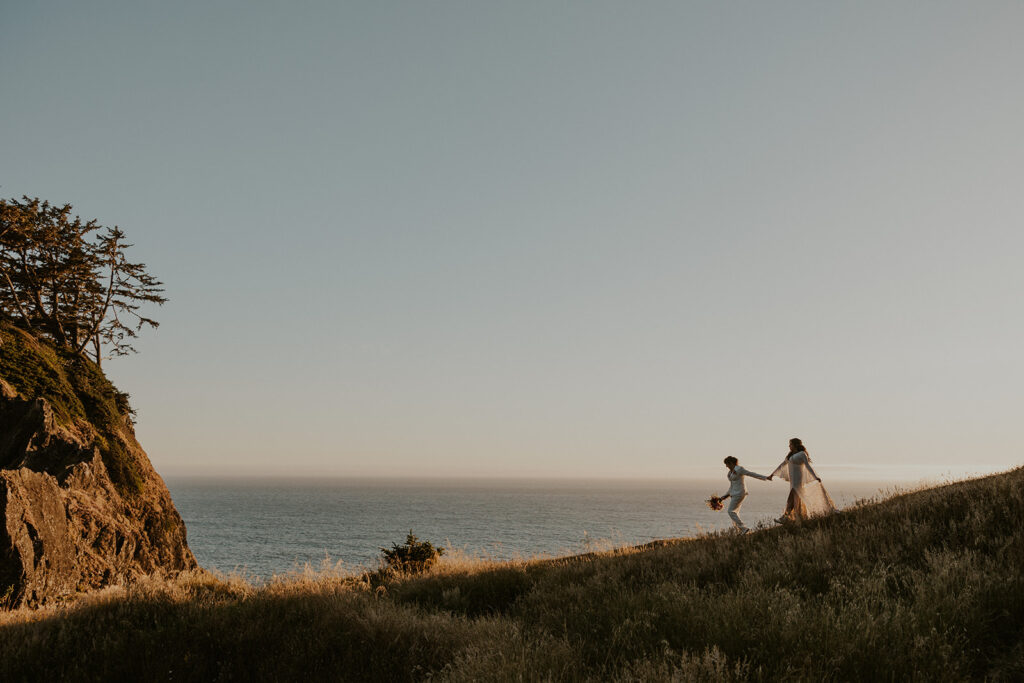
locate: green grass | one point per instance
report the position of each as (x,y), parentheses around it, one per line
(36,369)
(927,585)
(78,391)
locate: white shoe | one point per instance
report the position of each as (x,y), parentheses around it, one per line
(782,520)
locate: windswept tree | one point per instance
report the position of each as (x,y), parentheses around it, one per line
(71,281)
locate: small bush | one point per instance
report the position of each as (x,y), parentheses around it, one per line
(414,557)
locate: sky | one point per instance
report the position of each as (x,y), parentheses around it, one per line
(536,239)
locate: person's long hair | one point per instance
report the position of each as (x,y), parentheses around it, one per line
(795,446)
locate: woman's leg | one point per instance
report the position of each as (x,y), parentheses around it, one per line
(799,509)
(791,503)
(734,509)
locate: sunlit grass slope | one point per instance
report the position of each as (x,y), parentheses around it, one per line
(927,585)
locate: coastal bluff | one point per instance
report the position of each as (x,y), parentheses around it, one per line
(81,506)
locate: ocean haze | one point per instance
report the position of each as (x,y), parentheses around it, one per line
(524,239)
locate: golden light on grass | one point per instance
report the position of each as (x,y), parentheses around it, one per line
(935,575)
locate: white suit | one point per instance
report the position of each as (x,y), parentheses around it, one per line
(737,492)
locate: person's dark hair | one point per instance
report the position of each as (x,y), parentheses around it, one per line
(796,445)
(731,461)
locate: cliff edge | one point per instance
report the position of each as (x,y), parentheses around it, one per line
(80,504)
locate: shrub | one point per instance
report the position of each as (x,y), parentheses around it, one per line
(414,557)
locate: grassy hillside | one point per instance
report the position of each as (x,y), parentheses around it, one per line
(78,392)
(927,585)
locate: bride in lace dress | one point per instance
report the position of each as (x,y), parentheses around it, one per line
(807,497)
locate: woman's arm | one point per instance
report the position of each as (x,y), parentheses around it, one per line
(748,473)
(781,469)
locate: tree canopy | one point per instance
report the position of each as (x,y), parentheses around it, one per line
(71,281)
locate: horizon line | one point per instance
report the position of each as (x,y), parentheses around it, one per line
(846,473)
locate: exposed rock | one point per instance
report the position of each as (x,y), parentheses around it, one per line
(65,524)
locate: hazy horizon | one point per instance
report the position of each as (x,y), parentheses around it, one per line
(576,240)
(899,477)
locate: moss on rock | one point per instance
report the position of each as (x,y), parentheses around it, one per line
(78,391)
(37,370)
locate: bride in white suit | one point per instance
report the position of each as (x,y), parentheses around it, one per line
(807,497)
(738,490)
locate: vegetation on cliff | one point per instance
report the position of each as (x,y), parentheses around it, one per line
(68,296)
(927,585)
(77,391)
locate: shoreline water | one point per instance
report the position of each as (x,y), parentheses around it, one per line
(272,527)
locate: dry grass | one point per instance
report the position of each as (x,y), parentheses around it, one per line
(925,585)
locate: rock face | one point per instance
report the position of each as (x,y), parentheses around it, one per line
(66,525)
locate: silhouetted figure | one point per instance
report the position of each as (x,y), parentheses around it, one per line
(738,490)
(807,497)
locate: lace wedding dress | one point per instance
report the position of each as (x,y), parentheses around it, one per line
(812,500)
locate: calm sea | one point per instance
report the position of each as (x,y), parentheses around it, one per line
(272,527)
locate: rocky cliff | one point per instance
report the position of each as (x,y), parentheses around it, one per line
(80,504)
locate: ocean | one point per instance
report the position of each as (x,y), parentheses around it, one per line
(264,528)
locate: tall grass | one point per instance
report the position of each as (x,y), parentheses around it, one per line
(927,585)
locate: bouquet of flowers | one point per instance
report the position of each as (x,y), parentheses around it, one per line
(715,503)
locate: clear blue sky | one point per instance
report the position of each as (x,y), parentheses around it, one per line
(547,239)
